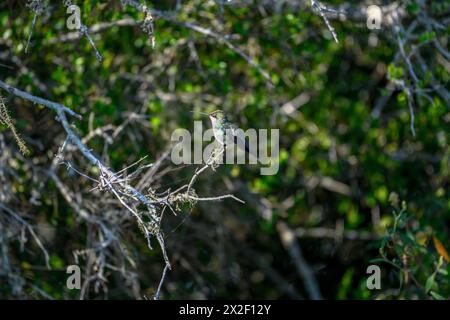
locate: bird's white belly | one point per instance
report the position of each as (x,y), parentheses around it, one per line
(219,135)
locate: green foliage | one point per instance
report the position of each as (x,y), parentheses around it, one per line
(421,271)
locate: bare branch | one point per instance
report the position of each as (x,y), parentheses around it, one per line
(317,6)
(287,237)
(161,282)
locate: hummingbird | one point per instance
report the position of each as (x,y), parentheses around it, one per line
(225,131)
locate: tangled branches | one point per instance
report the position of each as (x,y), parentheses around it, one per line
(411,72)
(147,209)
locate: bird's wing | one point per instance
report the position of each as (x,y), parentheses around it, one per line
(242,143)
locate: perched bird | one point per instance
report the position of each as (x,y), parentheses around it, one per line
(222,126)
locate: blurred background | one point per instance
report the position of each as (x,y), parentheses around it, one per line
(364,157)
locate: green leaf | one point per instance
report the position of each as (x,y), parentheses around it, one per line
(427,36)
(436,296)
(395,72)
(430,283)
(443,272)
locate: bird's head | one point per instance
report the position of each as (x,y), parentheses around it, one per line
(217,115)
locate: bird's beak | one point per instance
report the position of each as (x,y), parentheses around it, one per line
(203,113)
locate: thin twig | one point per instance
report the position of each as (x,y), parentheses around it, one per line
(317,6)
(163,277)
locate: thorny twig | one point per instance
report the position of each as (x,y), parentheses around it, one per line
(6,120)
(211,163)
(317,6)
(37,6)
(84,30)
